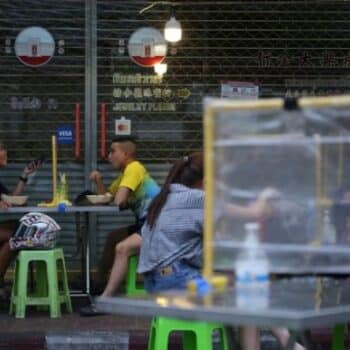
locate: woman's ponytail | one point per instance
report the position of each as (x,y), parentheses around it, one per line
(187,171)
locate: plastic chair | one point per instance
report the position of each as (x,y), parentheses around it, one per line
(132,288)
(338,335)
(47,293)
(197,335)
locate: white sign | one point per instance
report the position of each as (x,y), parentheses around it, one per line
(122,126)
(240,90)
(34,46)
(147,47)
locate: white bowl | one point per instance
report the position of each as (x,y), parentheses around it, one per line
(14,200)
(99,198)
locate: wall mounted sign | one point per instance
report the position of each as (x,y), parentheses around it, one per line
(22,103)
(304,59)
(34,46)
(239,90)
(122,126)
(147,94)
(147,47)
(65,135)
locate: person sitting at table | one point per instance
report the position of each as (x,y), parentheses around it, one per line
(7,227)
(133,189)
(172,236)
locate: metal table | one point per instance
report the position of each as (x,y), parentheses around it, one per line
(82,228)
(298,304)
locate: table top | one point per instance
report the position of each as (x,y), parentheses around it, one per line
(296,303)
(67,209)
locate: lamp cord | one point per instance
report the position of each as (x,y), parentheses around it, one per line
(157,3)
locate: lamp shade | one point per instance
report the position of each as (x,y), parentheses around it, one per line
(172,30)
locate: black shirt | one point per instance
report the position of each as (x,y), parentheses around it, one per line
(3,189)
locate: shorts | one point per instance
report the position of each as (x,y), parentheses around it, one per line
(11,224)
(174,276)
(136,228)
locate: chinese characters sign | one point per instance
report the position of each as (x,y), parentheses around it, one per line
(145,93)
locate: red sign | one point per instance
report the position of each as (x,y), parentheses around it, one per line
(34,46)
(147,47)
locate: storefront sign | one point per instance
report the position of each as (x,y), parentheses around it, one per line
(304,59)
(147,94)
(21,103)
(147,47)
(34,46)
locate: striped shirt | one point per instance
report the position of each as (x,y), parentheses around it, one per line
(177,233)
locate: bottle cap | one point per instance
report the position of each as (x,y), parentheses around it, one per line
(61,207)
(200,285)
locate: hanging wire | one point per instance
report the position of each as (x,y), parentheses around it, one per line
(167,3)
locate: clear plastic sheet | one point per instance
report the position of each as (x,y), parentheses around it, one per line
(299,160)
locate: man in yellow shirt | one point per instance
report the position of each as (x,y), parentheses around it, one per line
(133,189)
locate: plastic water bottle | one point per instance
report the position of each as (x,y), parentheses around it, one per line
(252,272)
(329,234)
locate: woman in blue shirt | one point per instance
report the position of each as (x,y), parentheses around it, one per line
(171,249)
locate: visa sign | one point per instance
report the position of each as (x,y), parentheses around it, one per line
(65,135)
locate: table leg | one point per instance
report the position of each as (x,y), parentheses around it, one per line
(87,254)
(83,233)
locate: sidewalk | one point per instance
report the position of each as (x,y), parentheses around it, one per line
(111,332)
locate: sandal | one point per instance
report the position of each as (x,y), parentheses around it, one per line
(90,311)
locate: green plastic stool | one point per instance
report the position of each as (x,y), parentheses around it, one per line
(338,337)
(132,288)
(47,293)
(197,335)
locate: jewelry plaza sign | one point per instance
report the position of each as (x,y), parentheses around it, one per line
(34,46)
(147,47)
(145,93)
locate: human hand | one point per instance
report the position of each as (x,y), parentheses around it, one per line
(4,205)
(33,166)
(269,193)
(262,206)
(95,176)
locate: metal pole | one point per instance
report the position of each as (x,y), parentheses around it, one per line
(90,116)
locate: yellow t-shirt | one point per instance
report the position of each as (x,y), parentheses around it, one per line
(143,188)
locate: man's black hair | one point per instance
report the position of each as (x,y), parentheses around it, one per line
(124,139)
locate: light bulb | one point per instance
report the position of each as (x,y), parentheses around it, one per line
(172,30)
(160,68)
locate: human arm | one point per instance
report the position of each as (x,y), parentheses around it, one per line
(28,169)
(121,197)
(251,212)
(96,177)
(127,183)
(255,211)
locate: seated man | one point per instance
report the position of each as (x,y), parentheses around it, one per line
(7,227)
(132,189)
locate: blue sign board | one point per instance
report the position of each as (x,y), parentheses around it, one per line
(65,135)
